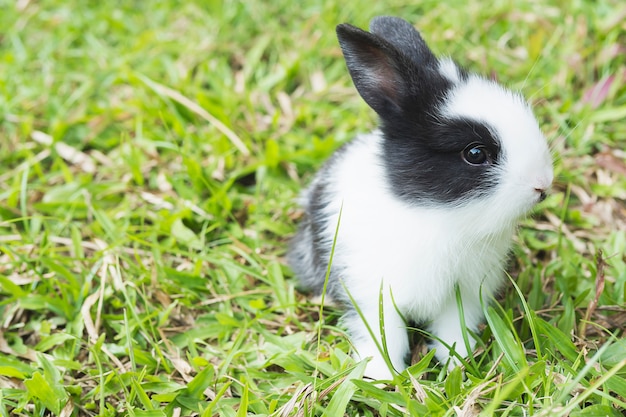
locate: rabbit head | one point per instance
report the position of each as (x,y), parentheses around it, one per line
(451,138)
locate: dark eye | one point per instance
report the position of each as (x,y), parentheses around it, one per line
(476,154)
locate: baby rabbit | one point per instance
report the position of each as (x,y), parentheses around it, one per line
(426,203)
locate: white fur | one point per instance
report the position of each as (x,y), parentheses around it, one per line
(448,68)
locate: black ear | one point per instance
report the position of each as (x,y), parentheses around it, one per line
(403,36)
(378,70)
(387,65)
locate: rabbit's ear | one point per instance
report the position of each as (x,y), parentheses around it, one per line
(403,36)
(379,71)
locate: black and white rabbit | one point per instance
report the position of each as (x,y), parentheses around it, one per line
(427,202)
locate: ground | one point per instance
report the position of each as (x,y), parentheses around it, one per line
(150,158)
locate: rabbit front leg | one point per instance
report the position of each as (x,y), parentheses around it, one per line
(367,347)
(448,328)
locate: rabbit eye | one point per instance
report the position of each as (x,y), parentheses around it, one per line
(476,154)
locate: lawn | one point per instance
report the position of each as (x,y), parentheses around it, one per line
(151,154)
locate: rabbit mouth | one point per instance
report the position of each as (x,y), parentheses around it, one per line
(542,194)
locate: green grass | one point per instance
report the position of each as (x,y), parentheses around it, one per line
(150,156)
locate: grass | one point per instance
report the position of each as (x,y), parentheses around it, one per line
(150,156)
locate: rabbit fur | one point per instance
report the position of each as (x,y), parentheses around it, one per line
(427,202)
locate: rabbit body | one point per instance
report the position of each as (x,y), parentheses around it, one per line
(428,202)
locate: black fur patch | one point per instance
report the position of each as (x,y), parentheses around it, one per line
(424,161)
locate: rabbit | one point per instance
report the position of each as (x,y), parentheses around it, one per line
(426,203)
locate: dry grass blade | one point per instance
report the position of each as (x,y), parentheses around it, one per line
(70,154)
(92,330)
(420,393)
(298,401)
(195,107)
(68,409)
